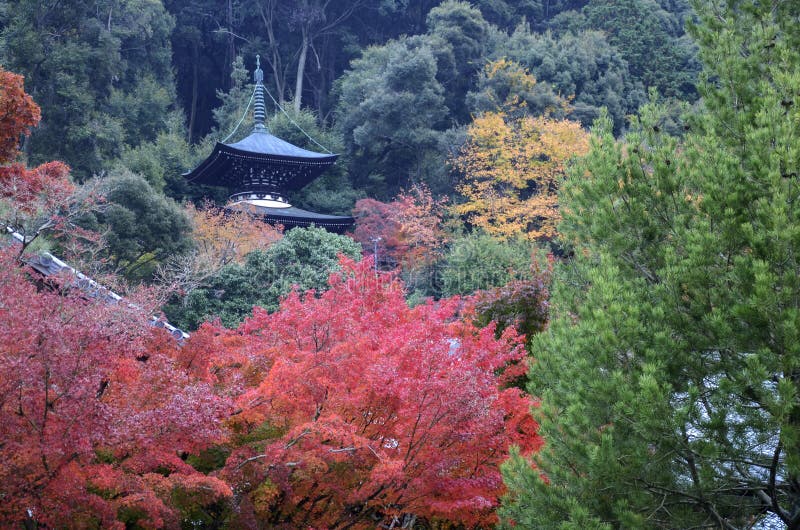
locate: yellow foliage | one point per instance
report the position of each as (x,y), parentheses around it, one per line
(512,168)
(224,236)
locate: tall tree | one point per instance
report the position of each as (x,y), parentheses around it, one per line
(142,227)
(669,377)
(512,168)
(390,108)
(651,40)
(18,113)
(463,30)
(583,67)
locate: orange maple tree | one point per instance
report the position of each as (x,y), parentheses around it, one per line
(18,113)
(224,236)
(512,166)
(357,410)
(221,237)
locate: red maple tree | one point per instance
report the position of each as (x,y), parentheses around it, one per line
(96,409)
(356,410)
(39,200)
(408,230)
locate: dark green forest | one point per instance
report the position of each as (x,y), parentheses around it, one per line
(390,85)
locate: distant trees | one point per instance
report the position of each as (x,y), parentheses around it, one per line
(102,75)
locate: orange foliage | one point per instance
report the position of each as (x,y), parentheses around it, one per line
(18,113)
(221,237)
(225,236)
(512,168)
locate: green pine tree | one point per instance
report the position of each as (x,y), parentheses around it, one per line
(670,375)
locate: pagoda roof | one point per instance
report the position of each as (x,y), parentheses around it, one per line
(261,170)
(292,217)
(260,162)
(261,142)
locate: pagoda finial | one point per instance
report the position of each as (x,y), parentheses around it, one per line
(260,107)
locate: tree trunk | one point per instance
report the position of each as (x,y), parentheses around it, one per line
(231,51)
(267,16)
(195,88)
(301,68)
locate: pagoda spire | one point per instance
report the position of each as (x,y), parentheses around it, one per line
(260,107)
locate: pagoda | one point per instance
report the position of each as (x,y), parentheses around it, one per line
(261,170)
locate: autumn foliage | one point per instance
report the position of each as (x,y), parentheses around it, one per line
(356,409)
(44,187)
(224,236)
(346,409)
(95,410)
(408,230)
(512,166)
(221,236)
(18,113)
(34,200)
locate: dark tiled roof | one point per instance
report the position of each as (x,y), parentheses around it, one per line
(292,217)
(50,266)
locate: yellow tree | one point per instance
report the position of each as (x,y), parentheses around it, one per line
(512,167)
(513,162)
(221,237)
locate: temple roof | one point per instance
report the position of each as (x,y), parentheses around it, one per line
(291,217)
(260,162)
(261,170)
(260,141)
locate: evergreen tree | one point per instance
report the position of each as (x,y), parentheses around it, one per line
(302,259)
(670,376)
(390,109)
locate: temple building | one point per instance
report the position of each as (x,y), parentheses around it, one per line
(261,170)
